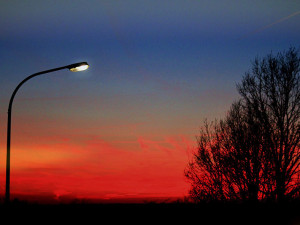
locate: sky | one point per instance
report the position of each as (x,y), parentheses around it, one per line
(125,128)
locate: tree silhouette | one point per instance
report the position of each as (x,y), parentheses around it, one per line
(254,153)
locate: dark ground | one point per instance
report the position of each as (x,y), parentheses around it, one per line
(218,213)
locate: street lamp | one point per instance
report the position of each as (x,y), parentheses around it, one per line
(74,68)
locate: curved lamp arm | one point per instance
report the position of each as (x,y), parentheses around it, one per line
(74,68)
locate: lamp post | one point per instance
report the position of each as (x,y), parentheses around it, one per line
(74,68)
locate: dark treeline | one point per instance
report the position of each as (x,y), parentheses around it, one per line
(253,154)
(187,213)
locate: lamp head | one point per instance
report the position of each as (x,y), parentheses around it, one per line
(76,67)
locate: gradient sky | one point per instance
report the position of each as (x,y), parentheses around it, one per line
(124,128)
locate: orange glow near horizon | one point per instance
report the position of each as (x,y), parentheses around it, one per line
(92,167)
(107,148)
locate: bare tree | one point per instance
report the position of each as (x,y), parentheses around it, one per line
(253,154)
(272,90)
